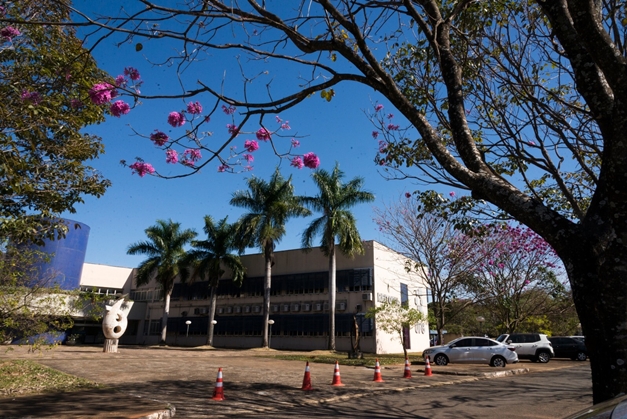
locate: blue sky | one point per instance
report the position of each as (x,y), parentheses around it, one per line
(336,131)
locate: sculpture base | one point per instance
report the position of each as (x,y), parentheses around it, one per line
(110,345)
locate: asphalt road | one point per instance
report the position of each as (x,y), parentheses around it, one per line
(542,395)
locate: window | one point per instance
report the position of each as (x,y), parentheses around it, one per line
(155,327)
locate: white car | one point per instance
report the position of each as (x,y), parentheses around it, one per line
(472,349)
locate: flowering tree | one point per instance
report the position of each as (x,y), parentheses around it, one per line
(521,103)
(394,318)
(518,275)
(45,78)
(437,248)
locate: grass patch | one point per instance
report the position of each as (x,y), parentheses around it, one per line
(21,377)
(341,357)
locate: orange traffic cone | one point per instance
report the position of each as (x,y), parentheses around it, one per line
(428,372)
(377,372)
(218,391)
(337,381)
(407,369)
(307,379)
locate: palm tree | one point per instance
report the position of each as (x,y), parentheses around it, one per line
(165,251)
(334,201)
(210,256)
(270,204)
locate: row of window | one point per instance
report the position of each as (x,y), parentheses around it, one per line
(288,325)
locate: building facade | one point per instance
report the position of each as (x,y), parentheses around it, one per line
(299,304)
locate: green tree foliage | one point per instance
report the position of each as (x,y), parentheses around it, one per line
(392,317)
(270,204)
(165,249)
(31,303)
(210,257)
(334,201)
(45,77)
(522,103)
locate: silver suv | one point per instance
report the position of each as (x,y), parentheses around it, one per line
(533,346)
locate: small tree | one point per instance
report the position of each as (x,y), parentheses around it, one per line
(393,317)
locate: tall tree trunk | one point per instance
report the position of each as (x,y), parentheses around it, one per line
(266,293)
(600,293)
(212,313)
(164,319)
(332,295)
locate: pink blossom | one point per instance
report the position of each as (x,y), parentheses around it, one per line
(102,93)
(263,134)
(119,108)
(76,103)
(133,73)
(382,162)
(378,107)
(501,266)
(390,116)
(407,195)
(392,127)
(249,158)
(192,154)
(375,134)
(142,168)
(532,143)
(229,111)
(33,97)
(286,126)
(159,138)
(171,156)
(295,143)
(176,119)
(297,162)
(452,194)
(311,160)
(194,108)
(278,119)
(9,33)
(207,118)
(251,146)
(382,146)
(120,81)
(223,168)
(233,129)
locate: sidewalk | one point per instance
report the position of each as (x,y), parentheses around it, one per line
(157,383)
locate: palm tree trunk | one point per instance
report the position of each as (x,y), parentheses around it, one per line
(212,313)
(164,319)
(266,299)
(332,291)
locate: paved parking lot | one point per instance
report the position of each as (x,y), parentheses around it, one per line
(253,382)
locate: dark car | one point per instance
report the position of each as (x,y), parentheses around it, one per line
(568,347)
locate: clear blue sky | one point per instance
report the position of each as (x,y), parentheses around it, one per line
(336,131)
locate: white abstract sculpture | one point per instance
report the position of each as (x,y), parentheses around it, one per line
(114,325)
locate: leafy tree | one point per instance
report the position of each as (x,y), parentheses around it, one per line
(210,257)
(32,306)
(334,201)
(166,260)
(439,249)
(46,74)
(517,275)
(271,205)
(520,103)
(394,318)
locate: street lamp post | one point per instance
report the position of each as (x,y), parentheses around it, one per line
(270,322)
(480,319)
(188,322)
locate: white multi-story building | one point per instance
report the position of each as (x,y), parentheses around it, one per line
(298,306)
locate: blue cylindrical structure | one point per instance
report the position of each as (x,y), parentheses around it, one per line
(67,256)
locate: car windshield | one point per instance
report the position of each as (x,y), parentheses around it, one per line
(501,338)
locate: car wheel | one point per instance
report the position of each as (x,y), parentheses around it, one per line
(581,356)
(440,360)
(498,361)
(543,357)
